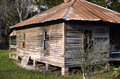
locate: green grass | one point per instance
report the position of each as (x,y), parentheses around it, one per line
(9,70)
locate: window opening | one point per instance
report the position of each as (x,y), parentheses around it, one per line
(13,40)
(88,41)
(24,37)
(45,40)
(24,40)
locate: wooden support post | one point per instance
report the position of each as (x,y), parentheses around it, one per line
(17,58)
(47,66)
(34,63)
(64,71)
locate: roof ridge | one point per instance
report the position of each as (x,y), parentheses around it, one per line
(67,13)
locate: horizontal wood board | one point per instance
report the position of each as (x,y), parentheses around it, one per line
(34,44)
(75,34)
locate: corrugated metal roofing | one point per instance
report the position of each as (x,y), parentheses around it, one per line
(74,10)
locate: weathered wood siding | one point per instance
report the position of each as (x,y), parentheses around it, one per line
(75,35)
(101,38)
(74,43)
(34,46)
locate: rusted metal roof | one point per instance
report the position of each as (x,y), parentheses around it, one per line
(74,10)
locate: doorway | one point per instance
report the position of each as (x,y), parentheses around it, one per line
(88,40)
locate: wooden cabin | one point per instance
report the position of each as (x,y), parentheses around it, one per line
(44,37)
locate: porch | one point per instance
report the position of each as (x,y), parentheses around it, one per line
(114,43)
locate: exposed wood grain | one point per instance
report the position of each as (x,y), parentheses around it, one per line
(34,44)
(74,43)
(75,40)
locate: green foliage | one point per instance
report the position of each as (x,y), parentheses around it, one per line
(7,18)
(11,14)
(39,3)
(103,75)
(4,46)
(99,67)
(116,73)
(114,6)
(52,3)
(90,56)
(102,68)
(47,3)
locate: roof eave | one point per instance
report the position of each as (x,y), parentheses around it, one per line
(41,23)
(63,21)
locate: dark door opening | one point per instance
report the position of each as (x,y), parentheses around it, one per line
(115,41)
(88,41)
(115,38)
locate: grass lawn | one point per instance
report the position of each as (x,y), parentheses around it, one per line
(9,70)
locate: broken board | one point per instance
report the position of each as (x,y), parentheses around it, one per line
(25,60)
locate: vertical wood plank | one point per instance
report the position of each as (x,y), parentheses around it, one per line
(83,39)
(34,44)
(34,63)
(47,66)
(64,40)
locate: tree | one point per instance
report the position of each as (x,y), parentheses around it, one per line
(7,18)
(110,4)
(52,3)
(90,57)
(24,8)
(40,4)
(115,5)
(13,12)
(99,2)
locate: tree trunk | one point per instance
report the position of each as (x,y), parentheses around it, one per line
(88,75)
(83,74)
